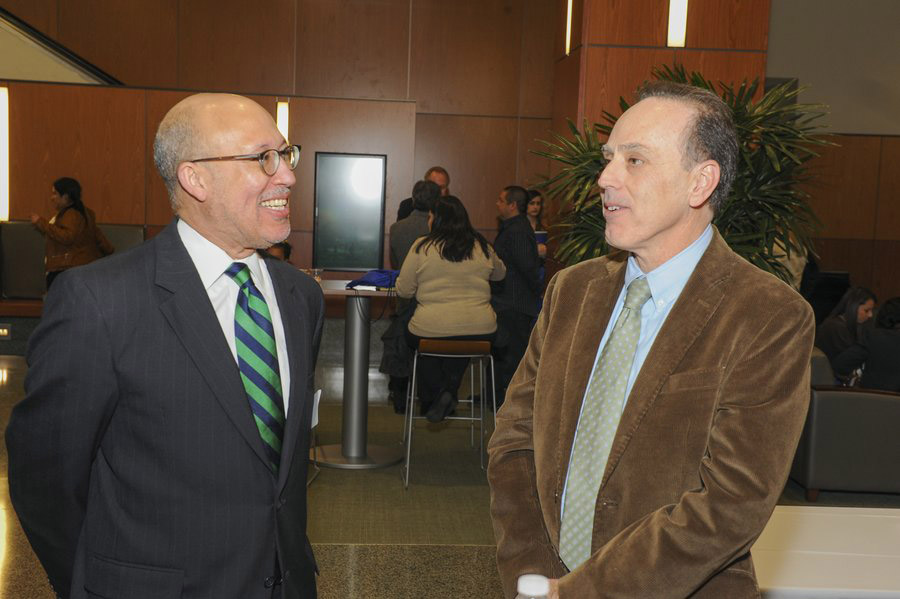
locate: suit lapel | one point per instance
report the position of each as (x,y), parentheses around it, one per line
(191,316)
(690,315)
(293,308)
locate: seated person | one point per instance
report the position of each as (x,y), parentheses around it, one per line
(879,349)
(448,272)
(280,251)
(840,329)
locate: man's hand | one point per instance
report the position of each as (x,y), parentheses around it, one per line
(554,589)
(34,218)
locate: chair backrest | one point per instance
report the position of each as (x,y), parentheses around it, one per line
(22,255)
(454,347)
(123,237)
(22,270)
(820,369)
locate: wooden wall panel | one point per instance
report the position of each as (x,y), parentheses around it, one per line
(887,220)
(479,153)
(851,255)
(352,49)
(133,40)
(536,82)
(363,126)
(301,248)
(94,134)
(844,194)
(236,46)
(465,56)
(733,24)
(40,14)
(627,22)
(532,169)
(159,210)
(885,282)
(729,67)
(568,76)
(617,72)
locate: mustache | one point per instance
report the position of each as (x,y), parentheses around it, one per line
(277,192)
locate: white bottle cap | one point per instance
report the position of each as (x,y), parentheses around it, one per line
(533,585)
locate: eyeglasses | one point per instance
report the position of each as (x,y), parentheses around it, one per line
(269,160)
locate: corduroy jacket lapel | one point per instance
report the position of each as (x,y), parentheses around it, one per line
(689,316)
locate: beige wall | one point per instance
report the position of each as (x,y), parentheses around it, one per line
(848,53)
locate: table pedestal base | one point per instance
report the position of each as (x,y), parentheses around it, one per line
(377,456)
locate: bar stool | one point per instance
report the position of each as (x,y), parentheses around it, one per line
(478,352)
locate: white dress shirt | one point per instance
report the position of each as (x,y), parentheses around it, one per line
(666,284)
(211,263)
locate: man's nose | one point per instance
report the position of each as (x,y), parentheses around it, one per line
(284,175)
(608,176)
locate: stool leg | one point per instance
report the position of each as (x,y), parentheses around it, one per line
(408,420)
(481,413)
(472,405)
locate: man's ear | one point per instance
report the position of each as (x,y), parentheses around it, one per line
(193,180)
(706,178)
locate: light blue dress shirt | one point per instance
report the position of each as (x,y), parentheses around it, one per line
(666,283)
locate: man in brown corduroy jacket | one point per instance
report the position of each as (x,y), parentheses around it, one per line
(714,386)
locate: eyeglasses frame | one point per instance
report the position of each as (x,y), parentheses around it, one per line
(260,157)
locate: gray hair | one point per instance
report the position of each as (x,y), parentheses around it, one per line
(174,139)
(711,136)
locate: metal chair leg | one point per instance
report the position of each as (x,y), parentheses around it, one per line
(410,408)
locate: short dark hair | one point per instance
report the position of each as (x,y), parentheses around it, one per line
(889,314)
(517,194)
(425,194)
(711,136)
(438,169)
(285,247)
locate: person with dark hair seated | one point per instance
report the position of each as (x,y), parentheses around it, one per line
(448,272)
(396,358)
(841,329)
(73,238)
(281,251)
(879,349)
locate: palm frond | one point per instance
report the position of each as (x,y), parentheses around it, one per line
(766,216)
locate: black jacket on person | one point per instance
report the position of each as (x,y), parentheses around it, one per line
(135,464)
(879,350)
(520,291)
(833,336)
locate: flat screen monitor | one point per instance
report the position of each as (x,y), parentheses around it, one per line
(348,232)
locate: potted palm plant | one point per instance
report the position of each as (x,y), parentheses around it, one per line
(766,218)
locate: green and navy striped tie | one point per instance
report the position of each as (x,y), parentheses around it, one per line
(257,357)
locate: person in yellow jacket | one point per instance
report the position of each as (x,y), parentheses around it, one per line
(72,235)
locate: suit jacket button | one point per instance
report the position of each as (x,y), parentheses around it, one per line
(269,582)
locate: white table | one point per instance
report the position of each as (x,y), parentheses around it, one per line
(829,553)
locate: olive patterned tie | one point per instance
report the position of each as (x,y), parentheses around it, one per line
(597,427)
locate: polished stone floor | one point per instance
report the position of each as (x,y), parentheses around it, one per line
(373,539)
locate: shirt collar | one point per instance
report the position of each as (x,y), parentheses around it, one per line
(210,260)
(669,278)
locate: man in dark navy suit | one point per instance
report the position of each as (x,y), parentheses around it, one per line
(161,448)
